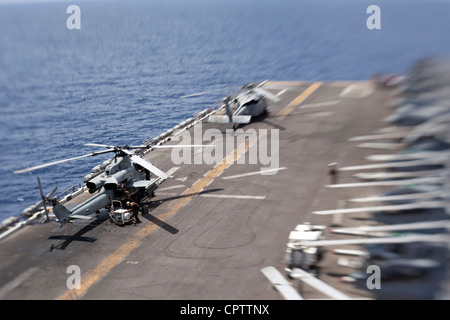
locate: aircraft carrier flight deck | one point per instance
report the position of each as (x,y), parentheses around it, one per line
(211,229)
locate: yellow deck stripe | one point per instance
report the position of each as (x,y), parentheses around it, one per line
(125,249)
(305,94)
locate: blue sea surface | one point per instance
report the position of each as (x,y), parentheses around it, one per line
(118,80)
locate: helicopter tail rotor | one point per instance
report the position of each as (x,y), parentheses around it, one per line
(61,212)
(45,199)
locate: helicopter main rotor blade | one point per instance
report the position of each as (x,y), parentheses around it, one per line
(147,165)
(111,149)
(194,94)
(266,93)
(182,146)
(164,147)
(115,147)
(62,161)
(205,92)
(98,145)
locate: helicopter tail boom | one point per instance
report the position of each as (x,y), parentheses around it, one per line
(61,213)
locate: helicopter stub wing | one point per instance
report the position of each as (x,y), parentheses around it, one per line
(225,119)
(147,165)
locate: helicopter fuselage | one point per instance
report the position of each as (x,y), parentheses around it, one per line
(120,170)
(122,180)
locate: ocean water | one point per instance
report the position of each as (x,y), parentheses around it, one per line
(118,80)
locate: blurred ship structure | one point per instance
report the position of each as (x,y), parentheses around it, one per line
(407,232)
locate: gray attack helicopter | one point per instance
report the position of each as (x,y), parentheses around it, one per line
(249,101)
(126,176)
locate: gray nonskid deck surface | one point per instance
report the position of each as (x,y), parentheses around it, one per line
(206,236)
